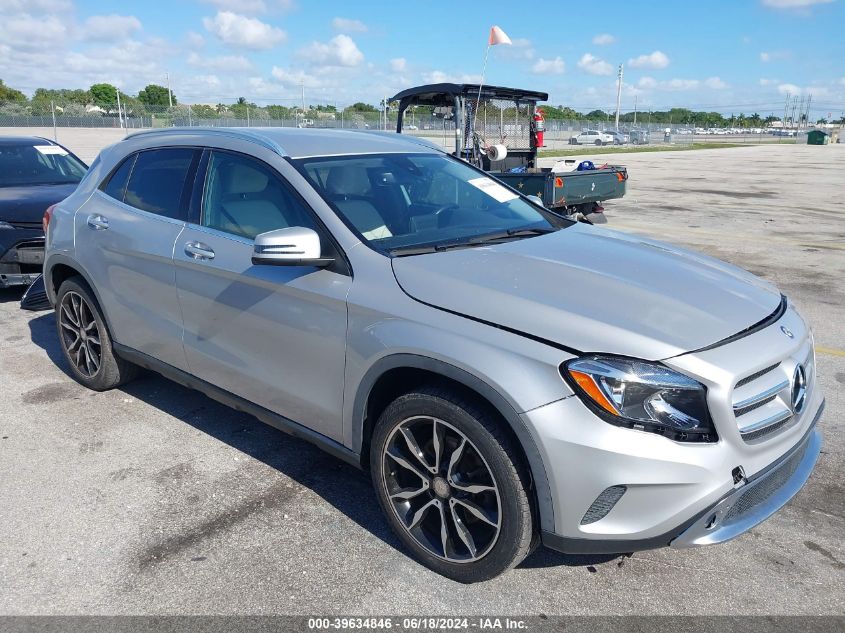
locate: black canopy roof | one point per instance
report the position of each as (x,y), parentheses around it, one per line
(444,94)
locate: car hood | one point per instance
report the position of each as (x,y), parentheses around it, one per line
(594,290)
(28,204)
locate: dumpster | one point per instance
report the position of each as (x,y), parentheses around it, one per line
(817,137)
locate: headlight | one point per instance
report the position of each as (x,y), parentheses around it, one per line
(642,395)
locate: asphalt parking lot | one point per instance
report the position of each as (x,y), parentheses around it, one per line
(153,499)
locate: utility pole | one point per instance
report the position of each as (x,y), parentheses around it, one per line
(785,110)
(618,96)
(792,118)
(807,112)
(53,110)
(635,110)
(169,93)
(119,116)
(800,114)
(302,87)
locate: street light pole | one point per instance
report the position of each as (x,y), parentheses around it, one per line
(618,96)
(169,92)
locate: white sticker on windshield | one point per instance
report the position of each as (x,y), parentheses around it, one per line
(51,149)
(493,189)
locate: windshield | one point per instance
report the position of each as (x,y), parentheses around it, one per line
(399,203)
(23,165)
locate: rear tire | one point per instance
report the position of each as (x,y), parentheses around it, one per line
(85,340)
(463,473)
(599,143)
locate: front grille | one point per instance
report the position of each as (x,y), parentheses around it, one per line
(603,504)
(762,401)
(757,375)
(757,494)
(26,225)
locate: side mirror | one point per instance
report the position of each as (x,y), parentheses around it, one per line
(537,200)
(293,246)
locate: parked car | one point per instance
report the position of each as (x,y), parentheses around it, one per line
(591,137)
(415,317)
(34,174)
(639,137)
(619,138)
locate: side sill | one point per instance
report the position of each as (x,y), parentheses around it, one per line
(222,396)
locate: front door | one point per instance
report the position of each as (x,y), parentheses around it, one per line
(274,335)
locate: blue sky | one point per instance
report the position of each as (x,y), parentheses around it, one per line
(730,56)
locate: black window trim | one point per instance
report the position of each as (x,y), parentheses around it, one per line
(341,265)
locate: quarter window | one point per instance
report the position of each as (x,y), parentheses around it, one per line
(116,184)
(157,183)
(246,197)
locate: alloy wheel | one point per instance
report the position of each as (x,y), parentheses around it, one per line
(80,334)
(441,489)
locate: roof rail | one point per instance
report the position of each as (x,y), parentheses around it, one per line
(231,132)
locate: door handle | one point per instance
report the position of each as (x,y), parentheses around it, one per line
(198,250)
(97,222)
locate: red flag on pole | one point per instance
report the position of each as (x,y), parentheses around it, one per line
(498,36)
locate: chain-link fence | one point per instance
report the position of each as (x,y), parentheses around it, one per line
(495,121)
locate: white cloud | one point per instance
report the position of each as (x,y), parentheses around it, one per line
(549,66)
(769,82)
(346,25)
(251,6)
(675,85)
(25,32)
(195,40)
(35,6)
(243,32)
(603,39)
(399,64)
(591,64)
(715,83)
(293,78)
(791,89)
(223,63)
(438,77)
(521,48)
(341,50)
(655,60)
(771,56)
(111,27)
(793,4)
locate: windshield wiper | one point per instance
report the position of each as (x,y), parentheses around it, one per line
(400,251)
(519,232)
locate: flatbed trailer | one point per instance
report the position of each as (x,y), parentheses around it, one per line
(495,130)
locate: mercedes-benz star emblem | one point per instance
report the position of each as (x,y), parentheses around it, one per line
(787,331)
(799,388)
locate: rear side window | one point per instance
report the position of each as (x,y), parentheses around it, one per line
(115,186)
(158,180)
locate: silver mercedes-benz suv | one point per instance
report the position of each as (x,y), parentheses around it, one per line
(507,376)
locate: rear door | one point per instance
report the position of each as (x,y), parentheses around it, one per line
(274,335)
(124,240)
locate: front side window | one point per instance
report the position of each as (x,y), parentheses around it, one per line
(245,197)
(158,181)
(32,165)
(404,201)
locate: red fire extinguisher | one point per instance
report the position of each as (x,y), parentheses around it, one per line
(539,126)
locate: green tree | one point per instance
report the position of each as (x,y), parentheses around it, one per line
(361,107)
(204,112)
(155,95)
(10,95)
(278,112)
(104,96)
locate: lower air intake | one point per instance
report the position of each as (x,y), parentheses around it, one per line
(603,504)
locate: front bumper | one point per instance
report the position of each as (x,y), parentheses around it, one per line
(21,256)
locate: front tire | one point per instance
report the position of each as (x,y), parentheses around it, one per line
(452,485)
(599,143)
(85,340)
